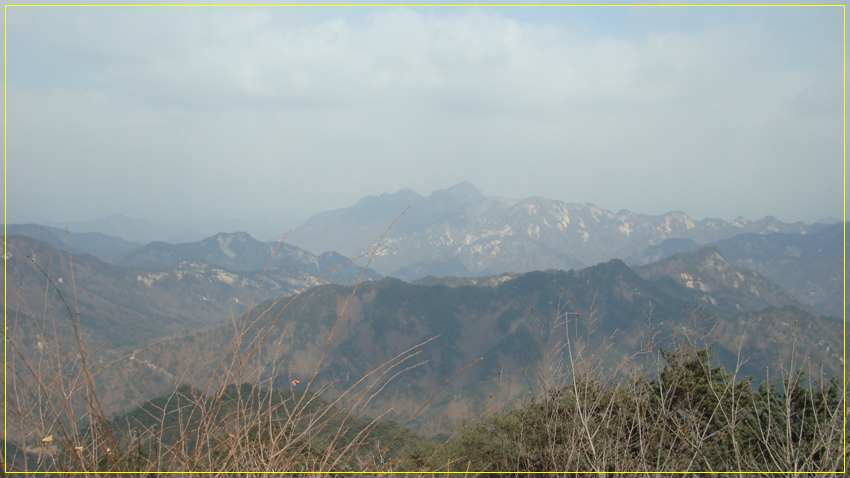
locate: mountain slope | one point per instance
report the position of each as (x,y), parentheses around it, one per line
(501,323)
(464,230)
(241,252)
(809,266)
(133,229)
(123,306)
(655,253)
(504,320)
(106,248)
(708,276)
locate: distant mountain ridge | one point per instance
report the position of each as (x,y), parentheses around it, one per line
(809,266)
(129,306)
(498,320)
(133,229)
(712,278)
(100,245)
(237,251)
(459,230)
(240,252)
(145,231)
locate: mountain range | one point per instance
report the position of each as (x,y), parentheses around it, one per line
(489,278)
(233,251)
(105,247)
(506,320)
(125,306)
(809,266)
(507,324)
(458,231)
(188,230)
(241,252)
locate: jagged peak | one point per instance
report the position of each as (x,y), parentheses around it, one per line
(680,215)
(709,251)
(829,220)
(331,254)
(613,266)
(402,195)
(460,190)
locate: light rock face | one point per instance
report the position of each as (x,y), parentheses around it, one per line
(239,251)
(121,306)
(234,251)
(459,230)
(714,280)
(278,282)
(811,266)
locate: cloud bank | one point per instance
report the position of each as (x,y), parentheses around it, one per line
(172,113)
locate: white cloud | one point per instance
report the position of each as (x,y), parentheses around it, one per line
(182,104)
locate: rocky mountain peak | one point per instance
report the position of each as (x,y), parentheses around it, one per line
(402,196)
(712,277)
(608,271)
(462,191)
(711,257)
(465,232)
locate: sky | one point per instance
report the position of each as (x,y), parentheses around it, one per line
(179,114)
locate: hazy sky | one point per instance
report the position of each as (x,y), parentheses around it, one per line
(170,114)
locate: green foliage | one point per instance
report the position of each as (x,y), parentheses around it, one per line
(692,416)
(796,417)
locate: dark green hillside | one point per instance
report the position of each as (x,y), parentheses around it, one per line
(506,325)
(607,304)
(405,341)
(770,333)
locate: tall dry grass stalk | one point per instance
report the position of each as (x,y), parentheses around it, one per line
(655,413)
(52,407)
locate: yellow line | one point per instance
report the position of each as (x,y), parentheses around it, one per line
(844,252)
(5,252)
